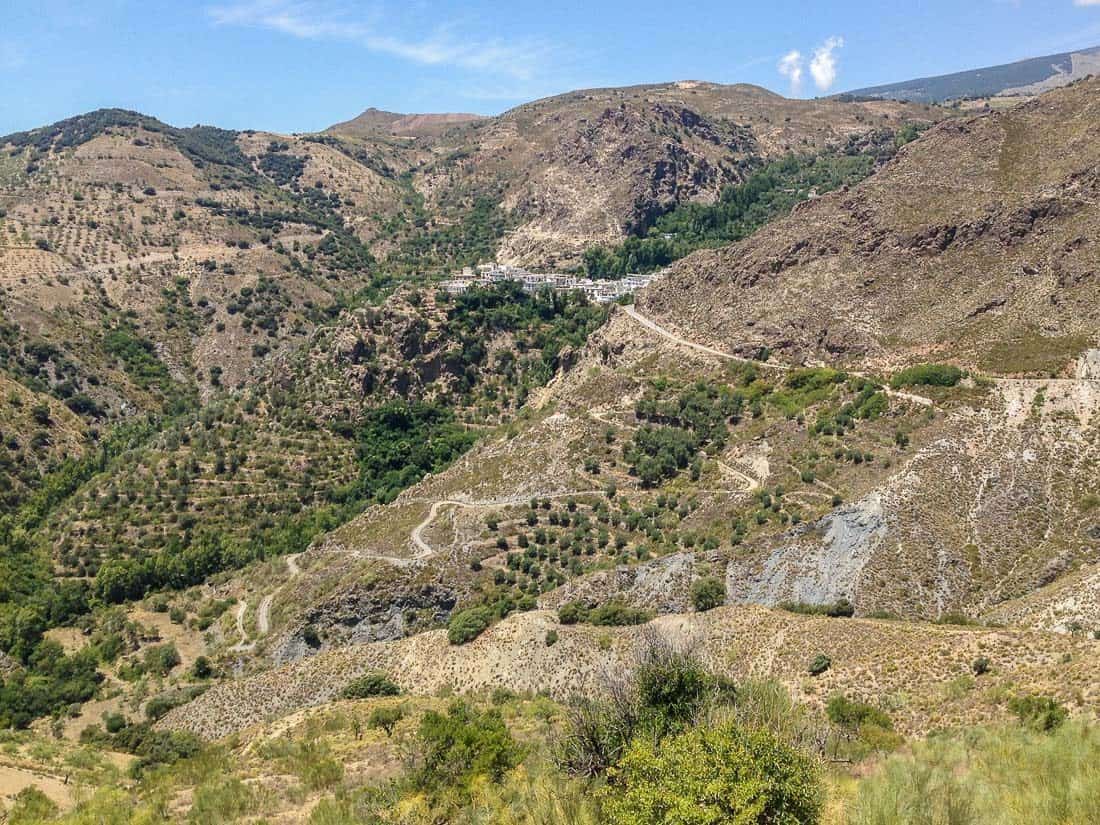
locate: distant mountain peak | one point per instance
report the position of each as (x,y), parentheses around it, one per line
(375,121)
(1024,78)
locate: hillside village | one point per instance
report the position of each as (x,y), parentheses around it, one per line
(599,290)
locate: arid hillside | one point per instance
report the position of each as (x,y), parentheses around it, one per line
(592,166)
(976,244)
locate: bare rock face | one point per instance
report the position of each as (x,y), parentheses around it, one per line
(370,614)
(1088,366)
(819,564)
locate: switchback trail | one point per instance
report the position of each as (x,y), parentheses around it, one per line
(263,614)
(424,549)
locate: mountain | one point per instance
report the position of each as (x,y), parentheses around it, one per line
(1024,78)
(375,121)
(939,468)
(592,166)
(288,530)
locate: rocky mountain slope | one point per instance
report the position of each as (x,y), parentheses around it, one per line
(969,501)
(591,166)
(1020,79)
(974,245)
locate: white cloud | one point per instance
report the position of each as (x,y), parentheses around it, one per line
(310,20)
(824,65)
(1086,2)
(791,67)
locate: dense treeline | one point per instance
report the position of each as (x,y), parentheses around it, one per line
(547,322)
(769,193)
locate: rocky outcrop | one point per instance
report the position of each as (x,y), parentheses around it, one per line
(816,564)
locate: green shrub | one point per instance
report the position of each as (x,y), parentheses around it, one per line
(371,684)
(160,659)
(820,664)
(840,609)
(1041,713)
(616,614)
(572,613)
(852,715)
(222,799)
(467,625)
(454,748)
(668,690)
(932,375)
(708,593)
(386,718)
(717,775)
(31,806)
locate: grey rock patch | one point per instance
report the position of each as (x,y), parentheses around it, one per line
(811,570)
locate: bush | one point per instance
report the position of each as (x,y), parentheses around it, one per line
(820,664)
(708,593)
(714,775)
(202,669)
(668,691)
(371,684)
(617,614)
(467,625)
(1040,713)
(551,637)
(160,659)
(852,715)
(932,375)
(31,805)
(453,749)
(572,613)
(840,609)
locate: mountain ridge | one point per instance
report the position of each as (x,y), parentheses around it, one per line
(1021,78)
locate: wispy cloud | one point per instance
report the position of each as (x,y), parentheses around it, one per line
(791,67)
(1086,2)
(824,65)
(442,46)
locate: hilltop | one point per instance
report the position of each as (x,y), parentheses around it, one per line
(375,121)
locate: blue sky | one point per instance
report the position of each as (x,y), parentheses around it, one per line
(300,65)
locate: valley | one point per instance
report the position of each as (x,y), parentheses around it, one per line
(794,459)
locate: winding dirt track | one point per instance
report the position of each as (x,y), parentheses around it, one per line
(653,326)
(424,549)
(263,614)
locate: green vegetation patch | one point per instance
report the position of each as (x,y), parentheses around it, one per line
(927,375)
(769,193)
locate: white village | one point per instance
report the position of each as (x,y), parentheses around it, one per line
(600,290)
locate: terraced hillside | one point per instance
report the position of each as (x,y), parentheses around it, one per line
(689,445)
(838,475)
